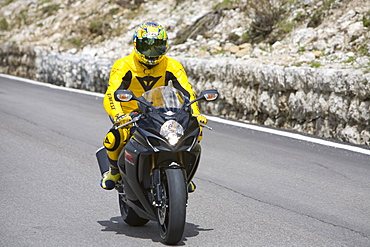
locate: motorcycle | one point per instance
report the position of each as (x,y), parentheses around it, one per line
(159,160)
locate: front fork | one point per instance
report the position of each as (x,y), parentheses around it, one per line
(157,187)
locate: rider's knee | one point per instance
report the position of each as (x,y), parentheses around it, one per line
(114,141)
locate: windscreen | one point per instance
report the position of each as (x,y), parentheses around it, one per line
(165,98)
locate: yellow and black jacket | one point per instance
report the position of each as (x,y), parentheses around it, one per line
(128,73)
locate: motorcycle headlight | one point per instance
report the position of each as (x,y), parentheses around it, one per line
(172,131)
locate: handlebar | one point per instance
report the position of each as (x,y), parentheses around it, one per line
(205,126)
(135,119)
(138,116)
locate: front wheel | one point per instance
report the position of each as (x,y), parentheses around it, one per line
(172,214)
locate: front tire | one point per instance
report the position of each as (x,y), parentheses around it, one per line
(172,214)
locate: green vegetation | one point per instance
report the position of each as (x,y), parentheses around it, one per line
(5,2)
(50,9)
(226,4)
(113,11)
(234,38)
(316,19)
(300,16)
(301,49)
(366,20)
(99,27)
(350,60)
(76,42)
(281,29)
(367,70)
(266,15)
(298,64)
(315,65)
(3,25)
(363,50)
(319,14)
(45,1)
(22,18)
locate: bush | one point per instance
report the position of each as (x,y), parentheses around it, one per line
(99,27)
(4,25)
(265,15)
(50,9)
(366,20)
(319,14)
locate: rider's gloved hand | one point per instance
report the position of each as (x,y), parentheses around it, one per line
(121,119)
(201,119)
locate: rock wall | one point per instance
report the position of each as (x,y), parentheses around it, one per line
(82,72)
(18,60)
(325,102)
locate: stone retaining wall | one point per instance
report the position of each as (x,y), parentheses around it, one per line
(18,60)
(324,102)
(72,71)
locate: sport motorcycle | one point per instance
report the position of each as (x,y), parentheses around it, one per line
(159,160)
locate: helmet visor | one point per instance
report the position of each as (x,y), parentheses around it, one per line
(151,47)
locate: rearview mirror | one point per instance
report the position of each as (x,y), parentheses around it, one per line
(123,95)
(209,95)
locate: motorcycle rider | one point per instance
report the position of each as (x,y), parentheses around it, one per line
(147,67)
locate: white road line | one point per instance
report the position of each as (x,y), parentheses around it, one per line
(291,135)
(51,85)
(219,120)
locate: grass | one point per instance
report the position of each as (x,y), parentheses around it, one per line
(350,60)
(315,65)
(363,51)
(113,11)
(77,42)
(301,49)
(298,64)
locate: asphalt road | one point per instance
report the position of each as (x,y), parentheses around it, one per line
(254,188)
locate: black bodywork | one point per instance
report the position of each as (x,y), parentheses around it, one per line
(147,151)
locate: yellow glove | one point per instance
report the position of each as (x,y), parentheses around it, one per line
(121,119)
(201,119)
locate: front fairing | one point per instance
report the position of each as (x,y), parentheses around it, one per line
(167,103)
(148,135)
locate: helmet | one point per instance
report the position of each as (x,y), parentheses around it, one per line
(150,43)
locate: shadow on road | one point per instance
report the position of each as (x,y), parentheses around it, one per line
(149,231)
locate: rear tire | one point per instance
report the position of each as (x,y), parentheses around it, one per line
(129,215)
(172,214)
